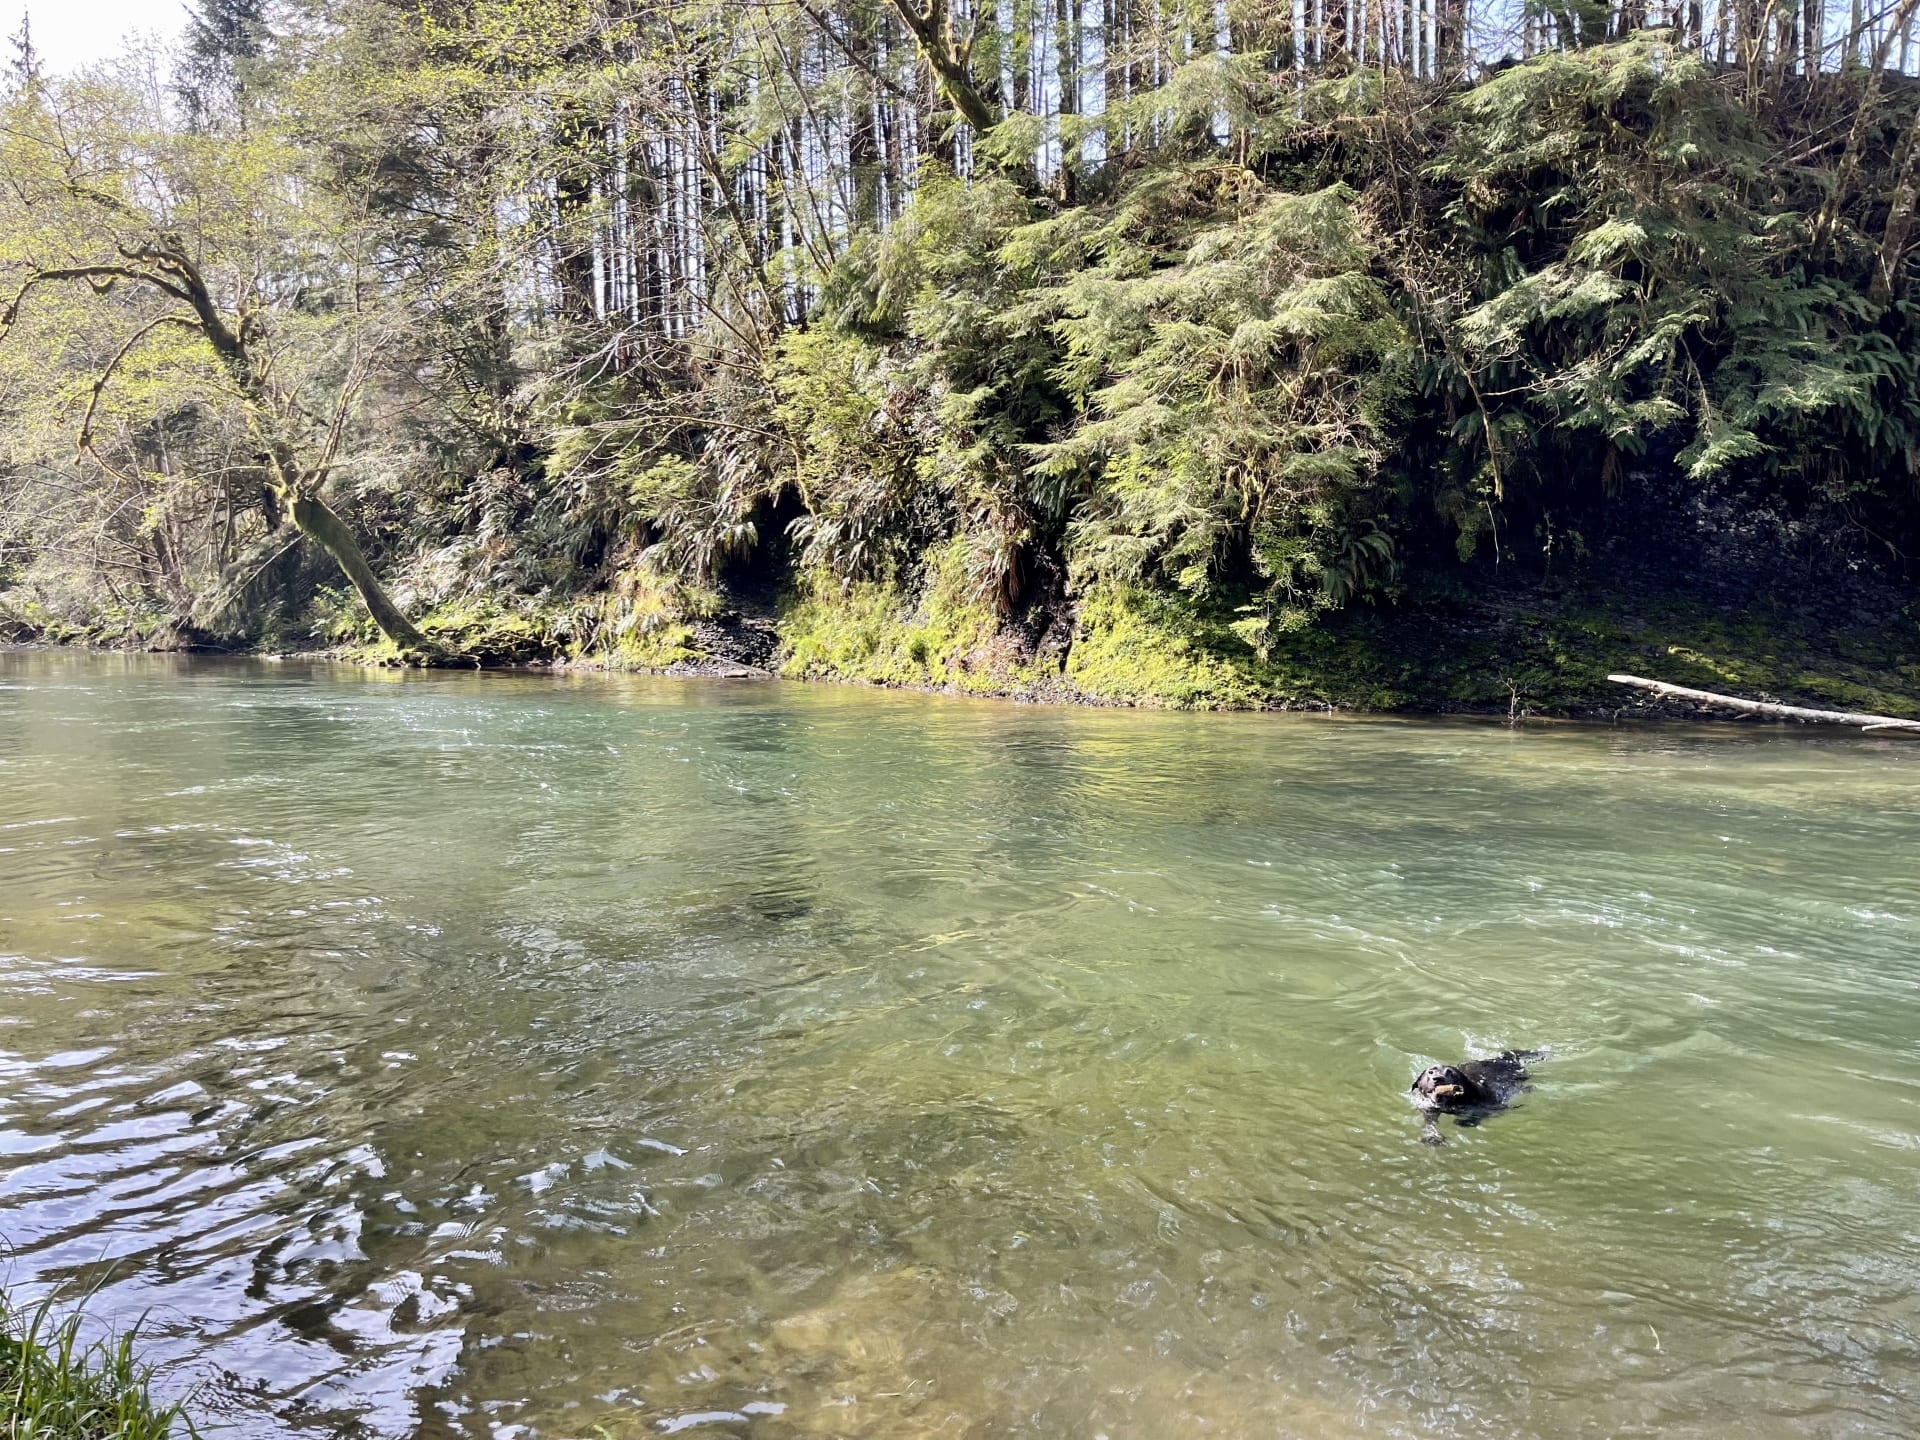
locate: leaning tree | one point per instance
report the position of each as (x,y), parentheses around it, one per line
(211,246)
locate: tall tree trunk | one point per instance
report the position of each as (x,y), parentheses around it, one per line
(1893,241)
(573,196)
(941,137)
(1452,37)
(1864,117)
(298,486)
(1139,65)
(863,141)
(1333,35)
(643,217)
(1753,47)
(1019,96)
(1066,47)
(271,510)
(1113,80)
(932,31)
(894,119)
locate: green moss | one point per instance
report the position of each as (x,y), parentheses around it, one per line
(1142,648)
(643,621)
(1469,648)
(78,618)
(1552,653)
(497,630)
(835,634)
(1533,651)
(1797,657)
(1154,648)
(481,630)
(640,622)
(1716,669)
(1132,646)
(874,631)
(659,645)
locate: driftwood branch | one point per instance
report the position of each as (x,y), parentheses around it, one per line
(1767,707)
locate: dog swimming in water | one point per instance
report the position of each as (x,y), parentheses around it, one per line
(1469,1091)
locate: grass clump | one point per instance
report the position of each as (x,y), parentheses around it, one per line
(55,1385)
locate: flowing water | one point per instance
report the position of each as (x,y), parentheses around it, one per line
(507,1055)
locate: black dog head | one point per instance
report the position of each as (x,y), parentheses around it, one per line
(1442,1087)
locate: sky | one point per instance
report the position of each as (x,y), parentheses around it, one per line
(72,33)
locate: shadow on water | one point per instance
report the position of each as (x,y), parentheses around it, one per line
(492,1055)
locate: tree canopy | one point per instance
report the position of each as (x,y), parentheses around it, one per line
(583,308)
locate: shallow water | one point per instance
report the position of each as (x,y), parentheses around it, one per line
(497,1055)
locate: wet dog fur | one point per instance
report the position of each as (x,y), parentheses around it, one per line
(1469,1091)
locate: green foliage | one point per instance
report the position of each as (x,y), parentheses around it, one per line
(1214,382)
(601,312)
(946,637)
(487,629)
(55,1385)
(851,418)
(1232,401)
(1142,648)
(639,622)
(1647,283)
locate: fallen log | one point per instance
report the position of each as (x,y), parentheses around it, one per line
(1768,707)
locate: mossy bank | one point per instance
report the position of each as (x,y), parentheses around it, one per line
(1489,640)
(1526,651)
(1517,646)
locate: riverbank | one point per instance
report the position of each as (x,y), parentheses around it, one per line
(1327,415)
(1672,585)
(1524,647)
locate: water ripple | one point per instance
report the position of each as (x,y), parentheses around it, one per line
(502,1056)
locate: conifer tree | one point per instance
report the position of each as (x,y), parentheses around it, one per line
(223,45)
(24,69)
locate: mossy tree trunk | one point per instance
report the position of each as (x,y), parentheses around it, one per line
(319,523)
(948,59)
(96,230)
(294,483)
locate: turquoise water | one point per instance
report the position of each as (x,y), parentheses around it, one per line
(504,1055)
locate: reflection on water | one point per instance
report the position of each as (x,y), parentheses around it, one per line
(485,1055)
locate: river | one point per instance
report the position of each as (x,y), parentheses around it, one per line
(506,1055)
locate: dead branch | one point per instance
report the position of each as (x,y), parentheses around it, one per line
(1768,707)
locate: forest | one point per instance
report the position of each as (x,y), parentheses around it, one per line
(1433,353)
